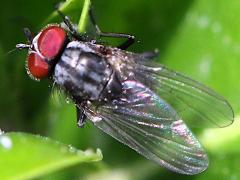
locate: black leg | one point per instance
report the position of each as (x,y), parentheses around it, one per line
(70,26)
(81,117)
(130,39)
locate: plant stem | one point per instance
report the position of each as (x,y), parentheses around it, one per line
(83,19)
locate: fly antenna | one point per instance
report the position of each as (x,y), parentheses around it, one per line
(9,52)
(23,46)
(29,38)
(18,46)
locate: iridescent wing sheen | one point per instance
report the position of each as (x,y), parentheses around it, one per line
(143,121)
(196,104)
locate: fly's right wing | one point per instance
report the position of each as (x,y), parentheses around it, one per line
(143,121)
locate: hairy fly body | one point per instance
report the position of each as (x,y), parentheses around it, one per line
(142,105)
(83,73)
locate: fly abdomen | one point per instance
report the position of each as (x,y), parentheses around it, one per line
(83,75)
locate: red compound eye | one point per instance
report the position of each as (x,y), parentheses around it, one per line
(51,41)
(37,66)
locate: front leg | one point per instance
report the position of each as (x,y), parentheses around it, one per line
(81,117)
(130,39)
(71,27)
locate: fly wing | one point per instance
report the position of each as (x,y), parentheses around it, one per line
(195,103)
(146,123)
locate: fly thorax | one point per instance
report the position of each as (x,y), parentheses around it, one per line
(113,88)
(82,74)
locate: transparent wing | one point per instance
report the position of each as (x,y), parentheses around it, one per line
(196,104)
(143,121)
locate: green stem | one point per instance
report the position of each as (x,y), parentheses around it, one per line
(83,19)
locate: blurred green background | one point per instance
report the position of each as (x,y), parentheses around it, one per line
(199,38)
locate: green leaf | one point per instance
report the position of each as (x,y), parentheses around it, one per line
(25,156)
(206,46)
(223,148)
(221,140)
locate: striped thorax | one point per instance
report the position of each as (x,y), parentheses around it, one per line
(84,74)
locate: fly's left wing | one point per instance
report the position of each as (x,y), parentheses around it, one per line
(146,123)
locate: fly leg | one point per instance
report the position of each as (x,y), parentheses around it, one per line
(70,26)
(130,39)
(81,117)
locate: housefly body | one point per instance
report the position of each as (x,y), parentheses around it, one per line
(142,105)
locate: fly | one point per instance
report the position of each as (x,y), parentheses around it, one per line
(142,105)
